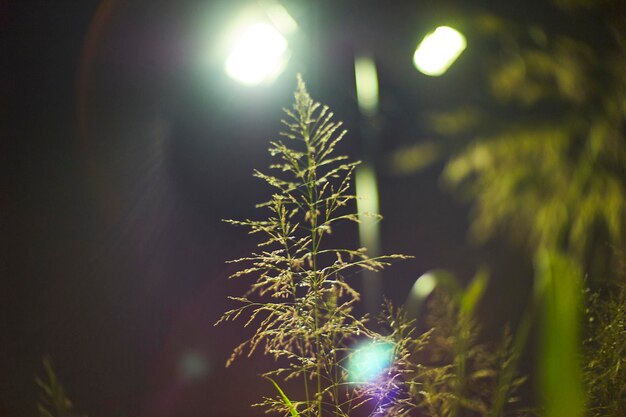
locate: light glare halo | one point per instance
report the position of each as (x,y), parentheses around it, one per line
(258,56)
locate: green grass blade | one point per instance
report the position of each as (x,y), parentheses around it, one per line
(508,371)
(560,376)
(288,403)
(474,292)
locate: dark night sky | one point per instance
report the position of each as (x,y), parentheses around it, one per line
(119,159)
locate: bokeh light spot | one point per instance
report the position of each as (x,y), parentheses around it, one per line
(439,50)
(366,78)
(193,365)
(424,286)
(368,362)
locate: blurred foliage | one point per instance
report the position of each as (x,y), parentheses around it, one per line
(449,370)
(416,157)
(604,351)
(53,402)
(553,175)
(475,369)
(542,160)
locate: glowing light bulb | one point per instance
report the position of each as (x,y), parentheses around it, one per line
(258,56)
(439,50)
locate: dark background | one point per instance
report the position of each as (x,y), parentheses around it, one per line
(122,150)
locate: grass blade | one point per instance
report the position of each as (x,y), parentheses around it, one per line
(560,377)
(286,400)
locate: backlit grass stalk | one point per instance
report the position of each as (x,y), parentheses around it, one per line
(299,301)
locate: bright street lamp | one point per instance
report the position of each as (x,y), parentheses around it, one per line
(439,50)
(258,56)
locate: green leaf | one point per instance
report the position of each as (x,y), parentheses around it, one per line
(559,280)
(288,403)
(474,292)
